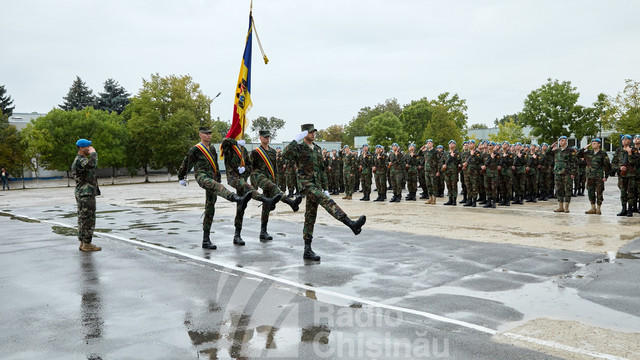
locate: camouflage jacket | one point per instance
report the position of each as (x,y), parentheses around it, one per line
(396,162)
(506,162)
(381,163)
(532,163)
(432,160)
(564,161)
(520,162)
(84,172)
(198,161)
(366,161)
(259,166)
(311,171)
(492,163)
(452,162)
(413,161)
(232,161)
(598,165)
(631,161)
(474,161)
(348,161)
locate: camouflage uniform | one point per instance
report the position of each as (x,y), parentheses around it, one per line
(544,177)
(491,177)
(432,166)
(281,180)
(532,177)
(366,163)
(86,190)
(422,182)
(380,162)
(564,167)
(581,178)
(627,179)
(598,168)
(208,179)
(348,164)
(411,168)
(291,177)
(396,165)
(474,161)
(262,177)
(450,175)
(506,177)
(520,160)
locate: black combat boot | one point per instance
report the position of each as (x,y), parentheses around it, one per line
(290,194)
(507,201)
(454,200)
(503,202)
(464,199)
(423,195)
(379,198)
(271,202)
(449,202)
(399,197)
(264,235)
(487,204)
(623,212)
(241,201)
(355,226)
(366,198)
(630,211)
(393,198)
(473,202)
(412,196)
(493,204)
(206,242)
(294,203)
(534,199)
(308,253)
(469,202)
(237,240)
(529,198)
(483,199)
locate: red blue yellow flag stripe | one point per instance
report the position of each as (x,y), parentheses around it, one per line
(236,148)
(209,157)
(265,158)
(242,101)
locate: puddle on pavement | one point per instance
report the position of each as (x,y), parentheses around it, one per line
(633,256)
(19,218)
(63,230)
(156,202)
(316,333)
(152,243)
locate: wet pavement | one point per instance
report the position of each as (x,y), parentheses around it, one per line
(153,293)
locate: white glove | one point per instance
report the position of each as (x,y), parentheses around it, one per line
(240,169)
(183,182)
(241,142)
(302,135)
(326,193)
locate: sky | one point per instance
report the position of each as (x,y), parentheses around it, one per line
(328,58)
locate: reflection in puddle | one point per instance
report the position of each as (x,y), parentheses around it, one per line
(316,333)
(19,218)
(63,230)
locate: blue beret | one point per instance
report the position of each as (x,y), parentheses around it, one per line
(505,142)
(465,142)
(428,141)
(562,137)
(527,146)
(518,143)
(545,144)
(83,143)
(378,146)
(637,136)
(439,147)
(597,140)
(472,141)
(452,141)
(278,148)
(395,144)
(412,144)
(626,136)
(365,145)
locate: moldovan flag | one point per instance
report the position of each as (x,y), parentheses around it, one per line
(242,101)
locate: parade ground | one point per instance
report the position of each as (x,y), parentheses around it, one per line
(420,281)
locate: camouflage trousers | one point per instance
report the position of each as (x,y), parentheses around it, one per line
(316,197)
(627,186)
(209,210)
(491,184)
(292,181)
(412,181)
(335,175)
(564,185)
(213,190)
(506,184)
(481,189)
(242,187)
(396,177)
(544,182)
(519,183)
(432,182)
(441,183)
(451,179)
(421,180)
(281,180)
(269,189)
(381,182)
(356,180)
(463,183)
(595,188)
(471,180)
(348,182)
(86,217)
(532,183)
(365,180)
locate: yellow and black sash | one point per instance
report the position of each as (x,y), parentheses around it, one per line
(208,155)
(265,158)
(236,148)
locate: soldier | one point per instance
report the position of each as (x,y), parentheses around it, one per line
(472,166)
(313,179)
(366,163)
(281,179)
(491,174)
(440,179)
(519,173)
(336,173)
(482,194)
(83,168)
(348,167)
(506,174)
(532,174)
(263,176)
(396,166)
(597,172)
(204,161)
(627,164)
(238,166)
(291,178)
(564,170)
(379,169)
(544,178)
(422,183)
(5,179)
(450,173)
(411,161)
(463,174)
(636,207)
(581,178)
(355,171)
(432,166)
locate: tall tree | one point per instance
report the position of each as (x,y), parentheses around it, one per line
(13,152)
(163,119)
(442,127)
(515,117)
(552,109)
(356,126)
(219,130)
(6,110)
(273,124)
(628,108)
(414,118)
(332,133)
(604,111)
(510,131)
(385,129)
(455,106)
(114,98)
(79,96)
(478,126)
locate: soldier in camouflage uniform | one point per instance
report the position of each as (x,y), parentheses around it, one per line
(532,174)
(281,180)
(83,169)
(520,160)
(628,162)
(204,160)
(379,170)
(440,179)
(238,166)
(506,174)
(422,182)
(565,171)
(263,176)
(472,165)
(355,171)
(463,173)
(291,178)
(636,207)
(450,172)
(348,167)
(336,172)
(544,179)
(411,161)
(482,194)
(312,177)
(396,166)
(432,166)
(597,172)
(581,178)
(491,174)
(366,163)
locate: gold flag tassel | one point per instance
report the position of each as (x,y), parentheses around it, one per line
(266,60)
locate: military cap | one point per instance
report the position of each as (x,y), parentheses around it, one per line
(363,145)
(204,130)
(345,146)
(278,148)
(597,140)
(545,144)
(536,145)
(308,127)
(379,146)
(412,144)
(472,141)
(562,137)
(637,136)
(83,143)
(626,136)
(428,140)
(395,144)
(265,133)
(465,142)
(506,142)
(518,143)
(527,145)
(439,147)
(452,141)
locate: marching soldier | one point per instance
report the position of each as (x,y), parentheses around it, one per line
(366,163)
(450,173)
(597,172)
(379,169)
(281,179)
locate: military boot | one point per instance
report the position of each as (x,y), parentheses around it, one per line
(270,203)
(503,202)
(566,207)
(241,201)
(308,252)
(423,195)
(87,247)
(290,194)
(630,211)
(623,212)
(293,203)
(599,210)
(487,204)
(454,200)
(366,198)
(560,207)
(434,200)
(237,240)
(355,226)
(206,242)
(264,235)
(450,202)
(393,198)
(464,199)
(399,198)
(412,196)
(483,199)
(592,210)
(493,204)
(469,202)
(379,198)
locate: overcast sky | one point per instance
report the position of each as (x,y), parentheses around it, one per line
(328,58)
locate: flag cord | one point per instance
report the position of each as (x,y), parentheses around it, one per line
(266,60)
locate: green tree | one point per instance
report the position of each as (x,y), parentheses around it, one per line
(13,152)
(332,133)
(442,127)
(163,119)
(114,98)
(385,129)
(516,117)
(219,130)
(510,131)
(79,96)
(6,110)
(456,107)
(273,124)
(604,111)
(356,126)
(414,118)
(552,109)
(478,126)
(627,105)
